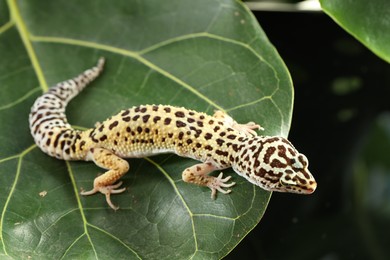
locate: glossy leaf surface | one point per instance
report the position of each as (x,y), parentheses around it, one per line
(204,55)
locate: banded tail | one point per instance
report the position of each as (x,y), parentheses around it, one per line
(48,123)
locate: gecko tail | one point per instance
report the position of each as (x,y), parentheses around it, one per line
(68,89)
(47,119)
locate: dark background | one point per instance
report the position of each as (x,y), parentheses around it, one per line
(341,122)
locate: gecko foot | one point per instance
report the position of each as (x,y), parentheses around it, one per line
(219,183)
(248,128)
(107,191)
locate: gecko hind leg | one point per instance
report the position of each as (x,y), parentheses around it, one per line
(247,129)
(117,167)
(198,174)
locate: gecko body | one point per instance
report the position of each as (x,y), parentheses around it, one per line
(217,141)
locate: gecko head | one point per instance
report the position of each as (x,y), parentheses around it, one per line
(275,165)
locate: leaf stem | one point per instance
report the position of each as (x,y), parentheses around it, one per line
(25,35)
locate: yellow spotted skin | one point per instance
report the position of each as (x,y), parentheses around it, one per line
(217,141)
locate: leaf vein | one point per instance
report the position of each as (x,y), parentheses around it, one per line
(12,190)
(6,27)
(116,239)
(172,182)
(19,100)
(128,53)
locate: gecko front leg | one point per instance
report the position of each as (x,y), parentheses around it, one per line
(116,166)
(198,174)
(247,129)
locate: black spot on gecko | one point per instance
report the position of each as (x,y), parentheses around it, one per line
(135,117)
(113,124)
(128,129)
(292,152)
(190,120)
(180,136)
(199,123)
(125,113)
(73,147)
(126,119)
(143,110)
(270,151)
(82,143)
(145,118)
(201,117)
(208,147)
(198,145)
(222,153)
(155,108)
(208,136)
(220,141)
(156,119)
(48,141)
(167,121)
(223,162)
(167,109)
(191,113)
(170,135)
(222,134)
(58,137)
(101,128)
(139,129)
(103,138)
(189,141)
(180,114)
(216,128)
(180,124)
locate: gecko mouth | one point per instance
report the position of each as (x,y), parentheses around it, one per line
(311,188)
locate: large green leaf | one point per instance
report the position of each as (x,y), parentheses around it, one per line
(368,21)
(201,54)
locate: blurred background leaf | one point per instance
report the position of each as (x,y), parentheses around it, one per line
(368,21)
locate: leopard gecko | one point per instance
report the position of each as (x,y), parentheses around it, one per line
(217,141)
